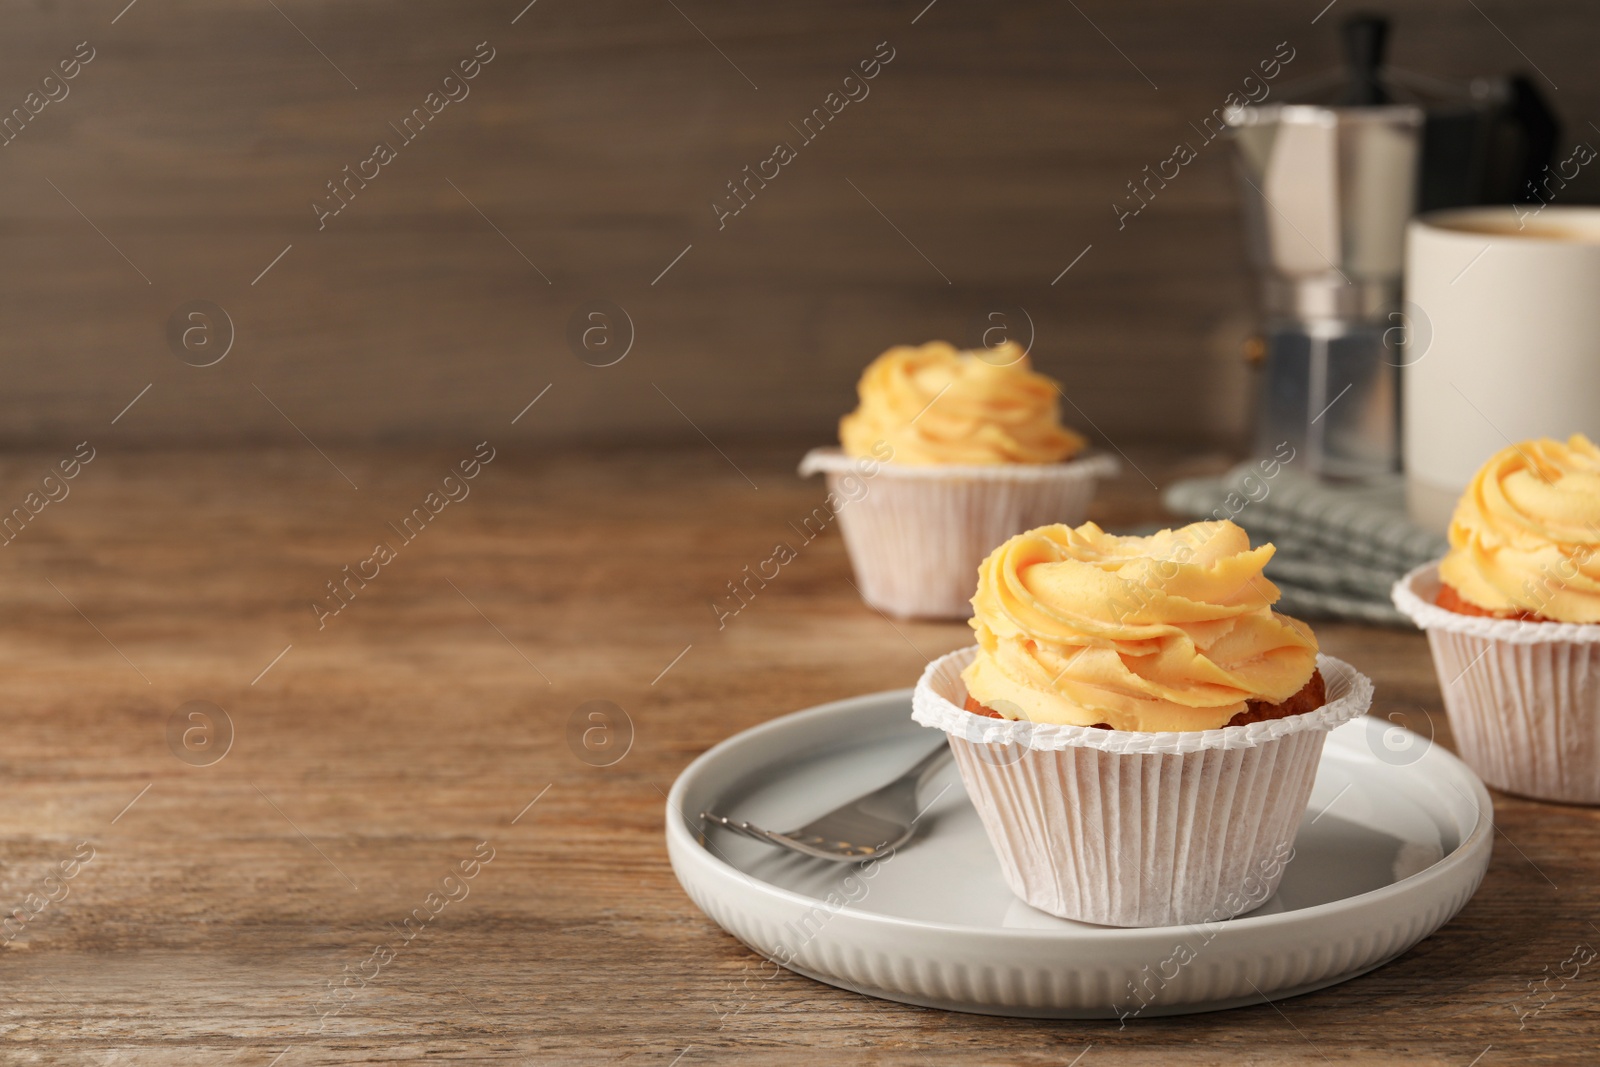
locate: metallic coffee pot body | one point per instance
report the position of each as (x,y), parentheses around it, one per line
(1328,187)
(1327,192)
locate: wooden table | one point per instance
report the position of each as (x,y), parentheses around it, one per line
(378,753)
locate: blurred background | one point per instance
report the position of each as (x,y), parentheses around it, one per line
(580,169)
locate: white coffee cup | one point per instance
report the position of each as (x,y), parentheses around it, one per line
(1503,322)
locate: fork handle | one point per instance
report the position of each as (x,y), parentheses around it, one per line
(929,763)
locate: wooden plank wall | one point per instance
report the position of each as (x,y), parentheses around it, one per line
(188,152)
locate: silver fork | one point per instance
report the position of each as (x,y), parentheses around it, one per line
(868,826)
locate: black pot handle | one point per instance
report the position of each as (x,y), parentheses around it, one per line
(1366,37)
(1538,129)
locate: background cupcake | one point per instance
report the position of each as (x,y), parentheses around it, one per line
(1137,728)
(1512,614)
(958,451)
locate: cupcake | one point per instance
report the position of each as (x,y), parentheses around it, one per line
(1512,614)
(948,454)
(1138,729)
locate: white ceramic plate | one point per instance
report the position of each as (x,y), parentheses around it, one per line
(1394,842)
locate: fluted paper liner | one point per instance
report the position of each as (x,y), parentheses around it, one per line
(1523,698)
(917,534)
(1125,828)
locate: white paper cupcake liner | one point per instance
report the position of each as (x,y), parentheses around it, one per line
(1124,828)
(1523,698)
(916,535)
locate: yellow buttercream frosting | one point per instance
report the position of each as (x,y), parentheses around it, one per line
(1174,631)
(1525,536)
(935,405)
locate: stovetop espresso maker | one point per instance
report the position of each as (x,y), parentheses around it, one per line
(1329,180)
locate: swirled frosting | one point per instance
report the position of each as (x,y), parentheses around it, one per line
(1525,536)
(934,405)
(1174,631)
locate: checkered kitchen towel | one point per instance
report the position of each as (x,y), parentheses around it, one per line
(1339,548)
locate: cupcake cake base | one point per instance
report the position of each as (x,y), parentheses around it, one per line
(1523,698)
(916,534)
(1122,828)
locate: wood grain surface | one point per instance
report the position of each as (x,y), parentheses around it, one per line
(385,754)
(985,161)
